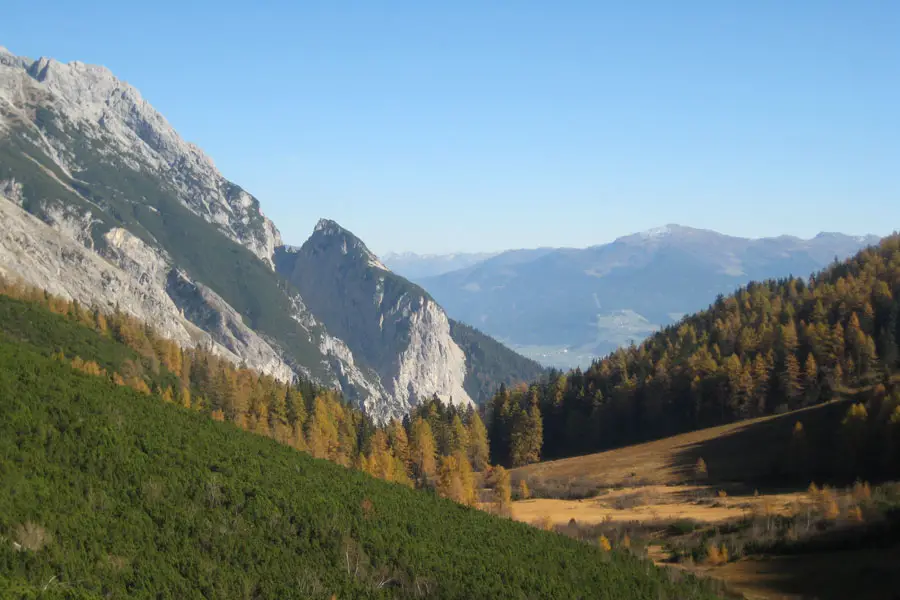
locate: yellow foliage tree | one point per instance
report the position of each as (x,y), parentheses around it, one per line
(700,469)
(399,442)
(502,492)
(322,438)
(479,453)
(422,450)
(524,492)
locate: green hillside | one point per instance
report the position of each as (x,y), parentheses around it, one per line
(490,364)
(106,492)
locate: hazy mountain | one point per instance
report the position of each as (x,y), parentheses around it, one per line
(414,266)
(564,306)
(104,203)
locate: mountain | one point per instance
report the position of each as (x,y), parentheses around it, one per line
(414,266)
(565,307)
(768,348)
(107,205)
(393,325)
(111,492)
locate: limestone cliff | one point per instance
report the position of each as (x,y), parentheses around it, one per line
(105,203)
(106,110)
(131,214)
(391,325)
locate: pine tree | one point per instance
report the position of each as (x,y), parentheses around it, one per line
(534,439)
(519,439)
(500,426)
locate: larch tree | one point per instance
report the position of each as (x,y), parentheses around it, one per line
(423,451)
(479,450)
(455,479)
(399,442)
(790,379)
(458,437)
(502,492)
(322,435)
(811,377)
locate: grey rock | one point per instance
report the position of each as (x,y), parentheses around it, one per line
(391,325)
(107,109)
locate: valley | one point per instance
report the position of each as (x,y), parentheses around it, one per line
(192,408)
(772,541)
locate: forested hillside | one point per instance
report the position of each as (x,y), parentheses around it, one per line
(434,447)
(770,347)
(109,489)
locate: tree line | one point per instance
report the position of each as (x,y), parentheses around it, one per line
(768,348)
(437,446)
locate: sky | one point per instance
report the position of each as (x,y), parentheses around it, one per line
(481,126)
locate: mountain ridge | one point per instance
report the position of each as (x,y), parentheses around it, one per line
(581,303)
(105,173)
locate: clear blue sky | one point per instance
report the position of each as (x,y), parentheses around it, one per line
(473,125)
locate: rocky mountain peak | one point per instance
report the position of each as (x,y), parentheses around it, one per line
(392,325)
(329,237)
(89,101)
(9,59)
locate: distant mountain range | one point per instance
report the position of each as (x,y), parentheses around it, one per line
(565,306)
(415,266)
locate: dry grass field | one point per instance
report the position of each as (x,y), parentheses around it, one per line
(654,503)
(737,454)
(651,498)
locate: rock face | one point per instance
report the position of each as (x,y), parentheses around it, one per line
(105,108)
(103,202)
(128,213)
(390,324)
(32,251)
